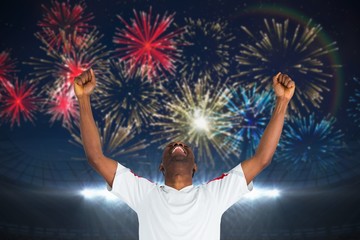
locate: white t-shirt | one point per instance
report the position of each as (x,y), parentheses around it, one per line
(165,213)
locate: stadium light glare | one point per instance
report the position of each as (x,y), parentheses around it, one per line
(260,193)
(97,193)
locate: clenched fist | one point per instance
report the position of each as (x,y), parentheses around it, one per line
(284,87)
(84,83)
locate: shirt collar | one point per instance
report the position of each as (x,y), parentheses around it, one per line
(184,189)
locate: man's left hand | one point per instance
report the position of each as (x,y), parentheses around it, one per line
(284,87)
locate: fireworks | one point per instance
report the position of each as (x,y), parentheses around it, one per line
(147,46)
(196,117)
(7,66)
(63,67)
(310,147)
(18,101)
(71,44)
(62,21)
(206,55)
(62,105)
(253,111)
(354,100)
(68,65)
(129,98)
(295,52)
(117,140)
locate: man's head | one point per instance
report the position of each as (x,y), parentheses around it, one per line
(178,158)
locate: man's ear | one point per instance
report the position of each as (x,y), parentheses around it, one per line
(194,169)
(161,168)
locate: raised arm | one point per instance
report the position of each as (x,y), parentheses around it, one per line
(106,167)
(284,89)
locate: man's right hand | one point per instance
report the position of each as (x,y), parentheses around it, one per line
(85,83)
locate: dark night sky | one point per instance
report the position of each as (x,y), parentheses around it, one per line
(339,19)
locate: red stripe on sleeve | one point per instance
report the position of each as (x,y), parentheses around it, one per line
(219,178)
(140,176)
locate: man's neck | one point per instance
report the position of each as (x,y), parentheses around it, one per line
(178,181)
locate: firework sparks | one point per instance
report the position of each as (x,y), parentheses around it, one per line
(19,100)
(296,53)
(62,105)
(61,68)
(253,111)
(310,147)
(354,100)
(129,98)
(62,21)
(147,46)
(7,66)
(196,117)
(206,55)
(69,64)
(117,140)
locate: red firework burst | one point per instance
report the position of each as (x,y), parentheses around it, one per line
(79,59)
(18,100)
(64,66)
(148,46)
(62,105)
(7,66)
(73,69)
(62,21)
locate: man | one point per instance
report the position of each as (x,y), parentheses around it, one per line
(178,210)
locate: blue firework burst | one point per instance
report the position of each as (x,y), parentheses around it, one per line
(310,148)
(252,111)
